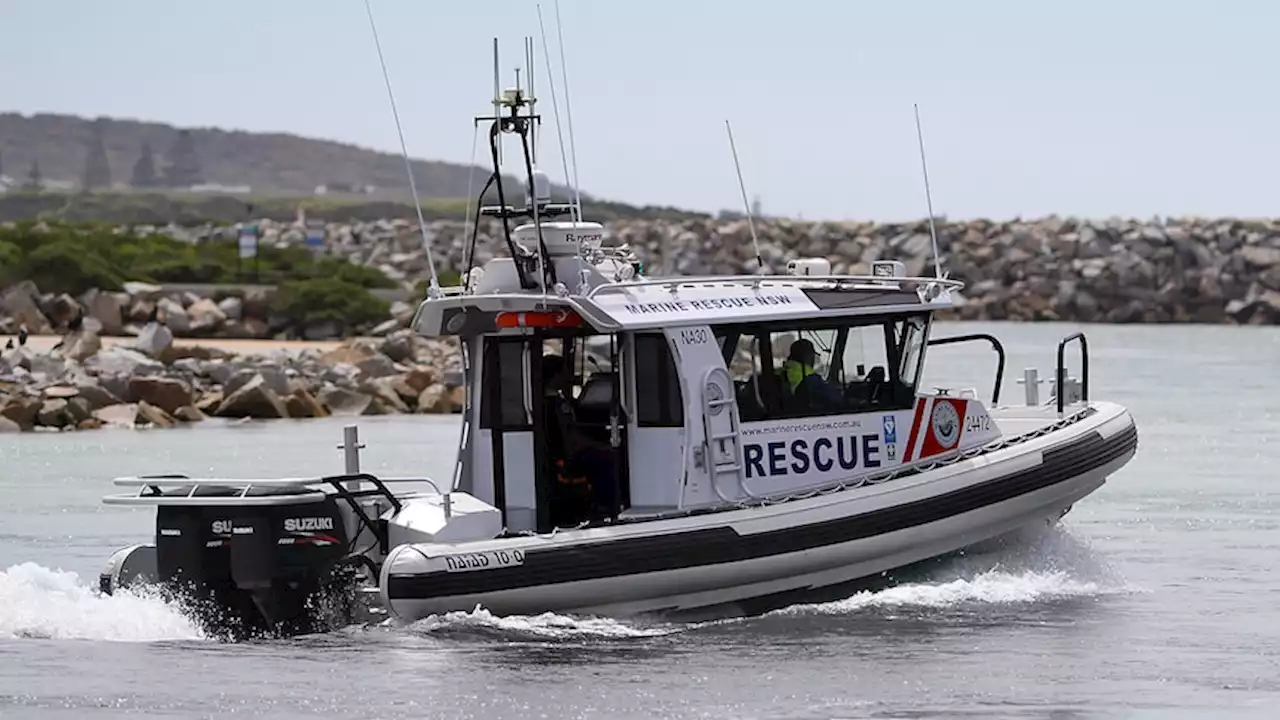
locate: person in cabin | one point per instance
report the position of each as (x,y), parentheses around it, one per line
(583,466)
(804,383)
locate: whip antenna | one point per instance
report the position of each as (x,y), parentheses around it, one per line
(568,112)
(928,198)
(433,290)
(555,109)
(564,159)
(751,223)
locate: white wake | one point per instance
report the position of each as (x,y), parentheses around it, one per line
(36,602)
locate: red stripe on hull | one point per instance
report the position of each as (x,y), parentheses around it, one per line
(915,429)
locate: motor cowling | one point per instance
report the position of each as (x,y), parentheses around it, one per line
(254,568)
(286,554)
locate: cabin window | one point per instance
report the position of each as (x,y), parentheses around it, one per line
(658,400)
(593,379)
(745,353)
(504,371)
(858,365)
(911,337)
(864,349)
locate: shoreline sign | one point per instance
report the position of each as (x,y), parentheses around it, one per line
(248,241)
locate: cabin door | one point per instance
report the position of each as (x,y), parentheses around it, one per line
(507,440)
(554,468)
(584,444)
(713,455)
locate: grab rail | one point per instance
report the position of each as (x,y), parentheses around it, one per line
(995,345)
(1062,369)
(677,281)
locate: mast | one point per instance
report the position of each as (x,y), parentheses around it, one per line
(514,115)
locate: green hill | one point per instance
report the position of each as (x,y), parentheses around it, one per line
(144,172)
(66,147)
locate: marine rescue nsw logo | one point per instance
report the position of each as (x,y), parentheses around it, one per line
(945,421)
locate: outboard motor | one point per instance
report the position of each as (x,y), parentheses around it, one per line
(261,561)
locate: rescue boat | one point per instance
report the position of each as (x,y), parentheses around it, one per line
(634,445)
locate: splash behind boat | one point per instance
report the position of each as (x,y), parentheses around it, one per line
(634,445)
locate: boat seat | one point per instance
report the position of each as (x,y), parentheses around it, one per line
(749,409)
(595,400)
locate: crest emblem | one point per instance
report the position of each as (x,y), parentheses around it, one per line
(945,422)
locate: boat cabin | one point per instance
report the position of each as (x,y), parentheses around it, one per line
(596,394)
(638,397)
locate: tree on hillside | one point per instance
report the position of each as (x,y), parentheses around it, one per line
(183,165)
(34,179)
(97,170)
(144,170)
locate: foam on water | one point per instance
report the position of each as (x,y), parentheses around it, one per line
(1035,566)
(37,602)
(545,626)
(993,587)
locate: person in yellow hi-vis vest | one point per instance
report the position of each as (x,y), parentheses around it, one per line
(804,383)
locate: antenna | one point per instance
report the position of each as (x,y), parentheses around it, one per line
(568,111)
(533,97)
(555,111)
(497,90)
(583,281)
(751,223)
(928,198)
(433,290)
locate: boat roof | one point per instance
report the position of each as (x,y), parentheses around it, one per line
(653,303)
(560,274)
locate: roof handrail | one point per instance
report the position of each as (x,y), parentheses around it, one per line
(872,280)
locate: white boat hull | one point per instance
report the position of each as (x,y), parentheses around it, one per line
(744,560)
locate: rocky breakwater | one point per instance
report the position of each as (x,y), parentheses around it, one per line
(249,314)
(150,382)
(1115,270)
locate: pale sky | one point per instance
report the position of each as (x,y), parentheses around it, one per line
(1086,107)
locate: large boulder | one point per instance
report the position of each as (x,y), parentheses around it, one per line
(21,302)
(173,315)
(118,415)
(275,378)
(345,402)
(62,309)
(206,316)
(80,345)
(350,353)
(154,339)
(54,413)
(120,360)
(434,399)
(253,399)
(21,410)
(105,307)
(302,404)
(377,366)
(232,308)
(153,416)
(168,394)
